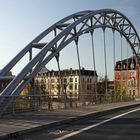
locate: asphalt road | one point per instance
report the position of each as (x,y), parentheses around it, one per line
(122,125)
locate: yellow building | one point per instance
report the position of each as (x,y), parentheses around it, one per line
(70,82)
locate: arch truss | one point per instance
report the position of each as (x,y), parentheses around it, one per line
(64,32)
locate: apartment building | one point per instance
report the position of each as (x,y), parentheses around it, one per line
(69,81)
(127,77)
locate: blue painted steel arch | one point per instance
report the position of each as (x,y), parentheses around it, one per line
(71,28)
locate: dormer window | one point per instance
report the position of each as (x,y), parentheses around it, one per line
(132,66)
(118,66)
(124,66)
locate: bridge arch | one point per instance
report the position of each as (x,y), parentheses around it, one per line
(70,29)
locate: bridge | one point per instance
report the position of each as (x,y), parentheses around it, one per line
(70,29)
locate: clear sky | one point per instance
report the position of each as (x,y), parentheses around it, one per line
(23,20)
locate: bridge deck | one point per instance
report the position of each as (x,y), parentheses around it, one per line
(27,122)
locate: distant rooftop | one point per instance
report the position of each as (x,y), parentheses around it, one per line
(69,72)
(130,63)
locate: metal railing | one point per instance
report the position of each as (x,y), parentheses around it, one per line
(24,103)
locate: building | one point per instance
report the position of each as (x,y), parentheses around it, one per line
(127,77)
(101,87)
(110,87)
(69,81)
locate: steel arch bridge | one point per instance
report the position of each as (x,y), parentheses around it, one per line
(65,31)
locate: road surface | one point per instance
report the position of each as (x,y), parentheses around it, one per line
(121,125)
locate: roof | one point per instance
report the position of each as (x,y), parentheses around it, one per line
(71,72)
(130,63)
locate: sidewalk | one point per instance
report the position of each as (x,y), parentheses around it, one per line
(27,122)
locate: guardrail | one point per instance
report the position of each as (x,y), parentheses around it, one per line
(62,101)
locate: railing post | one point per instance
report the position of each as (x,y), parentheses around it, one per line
(13,107)
(65,101)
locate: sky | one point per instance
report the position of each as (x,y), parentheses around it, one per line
(23,20)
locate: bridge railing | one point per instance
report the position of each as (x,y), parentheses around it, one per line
(24,103)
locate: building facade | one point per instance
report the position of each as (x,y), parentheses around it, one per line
(72,82)
(127,77)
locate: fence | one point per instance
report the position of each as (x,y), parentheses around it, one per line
(64,101)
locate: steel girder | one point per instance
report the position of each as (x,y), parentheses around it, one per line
(65,31)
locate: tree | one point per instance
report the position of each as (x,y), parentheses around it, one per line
(101,86)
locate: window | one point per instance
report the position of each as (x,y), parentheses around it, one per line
(134,92)
(58,87)
(88,87)
(65,80)
(118,66)
(75,79)
(124,75)
(119,76)
(71,79)
(132,74)
(83,80)
(124,66)
(129,83)
(134,83)
(132,66)
(130,92)
(71,87)
(75,86)
(57,80)
(90,80)
(42,81)
(70,94)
